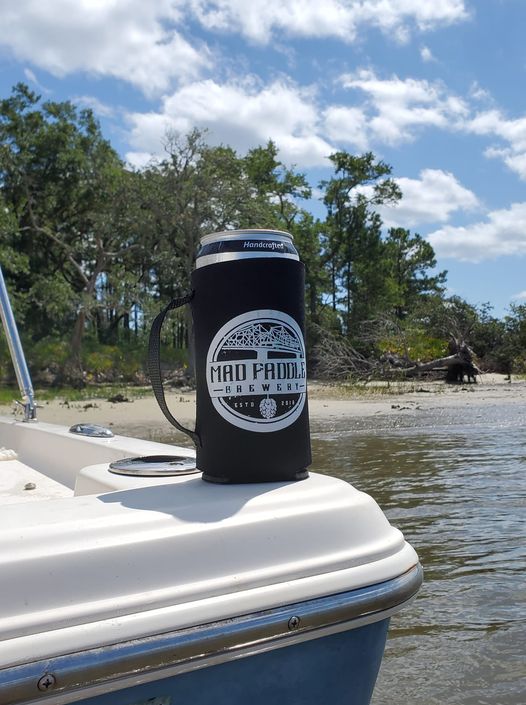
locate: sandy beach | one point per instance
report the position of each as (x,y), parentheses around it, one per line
(327,403)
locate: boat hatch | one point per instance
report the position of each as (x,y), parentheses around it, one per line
(92,430)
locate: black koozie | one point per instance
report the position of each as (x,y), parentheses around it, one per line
(247,298)
(252,415)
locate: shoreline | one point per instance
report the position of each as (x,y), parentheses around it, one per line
(328,404)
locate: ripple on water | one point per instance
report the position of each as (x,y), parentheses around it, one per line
(456,487)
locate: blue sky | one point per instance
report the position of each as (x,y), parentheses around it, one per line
(435,88)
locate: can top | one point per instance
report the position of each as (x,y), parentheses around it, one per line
(245,233)
(230,245)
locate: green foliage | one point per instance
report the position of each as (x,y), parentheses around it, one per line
(307,234)
(91,249)
(52,298)
(354,251)
(47,353)
(112,363)
(511,352)
(58,179)
(415,344)
(101,363)
(409,259)
(276,186)
(70,394)
(5,360)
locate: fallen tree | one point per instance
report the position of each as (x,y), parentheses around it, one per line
(457,365)
(336,358)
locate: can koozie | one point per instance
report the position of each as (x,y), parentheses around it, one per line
(247,305)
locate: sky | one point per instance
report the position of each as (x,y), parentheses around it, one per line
(435,88)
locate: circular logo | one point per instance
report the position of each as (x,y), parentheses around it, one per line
(256,372)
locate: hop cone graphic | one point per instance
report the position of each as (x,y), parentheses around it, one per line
(268,408)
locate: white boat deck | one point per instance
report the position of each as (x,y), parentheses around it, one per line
(21,483)
(148,555)
(40,461)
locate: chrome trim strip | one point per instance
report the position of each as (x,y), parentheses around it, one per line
(232,256)
(87,673)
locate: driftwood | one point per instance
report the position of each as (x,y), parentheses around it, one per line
(458,365)
(455,366)
(439,363)
(336,358)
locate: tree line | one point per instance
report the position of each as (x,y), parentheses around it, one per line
(92,248)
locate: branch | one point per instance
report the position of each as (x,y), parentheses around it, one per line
(51,235)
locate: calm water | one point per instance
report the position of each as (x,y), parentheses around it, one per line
(456,486)
(454,481)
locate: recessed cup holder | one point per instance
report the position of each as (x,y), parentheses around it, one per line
(154,466)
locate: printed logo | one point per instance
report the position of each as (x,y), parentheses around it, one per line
(256,372)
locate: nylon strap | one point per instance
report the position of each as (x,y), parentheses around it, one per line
(154,364)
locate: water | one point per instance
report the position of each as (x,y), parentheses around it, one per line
(454,482)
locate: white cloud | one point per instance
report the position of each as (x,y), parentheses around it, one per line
(430,199)
(502,233)
(132,40)
(145,42)
(245,112)
(348,125)
(243,115)
(260,20)
(397,108)
(139,160)
(93,103)
(512,131)
(427,55)
(31,77)
(521,296)
(478,93)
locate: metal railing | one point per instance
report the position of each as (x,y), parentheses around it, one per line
(17,354)
(89,673)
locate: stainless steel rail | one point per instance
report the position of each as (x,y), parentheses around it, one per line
(17,354)
(72,677)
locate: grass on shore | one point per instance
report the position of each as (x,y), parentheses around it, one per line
(358,389)
(317,389)
(105,391)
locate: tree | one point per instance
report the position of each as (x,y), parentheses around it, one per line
(278,187)
(12,260)
(354,250)
(511,353)
(58,177)
(409,259)
(198,189)
(307,238)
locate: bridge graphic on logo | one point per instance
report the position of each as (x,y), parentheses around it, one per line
(262,339)
(256,372)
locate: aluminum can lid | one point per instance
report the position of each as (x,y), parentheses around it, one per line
(231,245)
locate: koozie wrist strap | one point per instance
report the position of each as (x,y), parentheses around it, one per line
(154,364)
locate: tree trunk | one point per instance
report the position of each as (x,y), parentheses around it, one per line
(440,362)
(459,364)
(72,372)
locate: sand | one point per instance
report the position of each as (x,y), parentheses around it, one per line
(327,403)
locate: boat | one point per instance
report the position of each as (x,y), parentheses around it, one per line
(125,579)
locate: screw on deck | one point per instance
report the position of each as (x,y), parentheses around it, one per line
(294,622)
(47,682)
